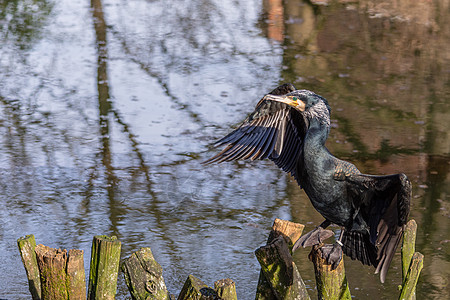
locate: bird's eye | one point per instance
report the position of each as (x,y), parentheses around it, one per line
(294,98)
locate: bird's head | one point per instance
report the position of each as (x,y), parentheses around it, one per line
(306,102)
(302,100)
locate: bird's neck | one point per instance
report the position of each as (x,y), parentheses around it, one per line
(317,134)
(319,126)
(316,157)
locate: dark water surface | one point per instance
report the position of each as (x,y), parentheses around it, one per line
(106,114)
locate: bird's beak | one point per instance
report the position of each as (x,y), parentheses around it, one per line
(289,100)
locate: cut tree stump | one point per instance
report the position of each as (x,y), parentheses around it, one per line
(104,270)
(331,284)
(195,289)
(143,276)
(226,289)
(291,232)
(52,269)
(26,245)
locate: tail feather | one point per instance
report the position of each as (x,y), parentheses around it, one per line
(388,238)
(387,252)
(357,246)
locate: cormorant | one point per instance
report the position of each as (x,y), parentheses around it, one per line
(290,128)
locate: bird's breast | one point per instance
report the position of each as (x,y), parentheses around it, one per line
(327,195)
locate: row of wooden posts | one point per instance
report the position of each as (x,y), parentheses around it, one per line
(59,274)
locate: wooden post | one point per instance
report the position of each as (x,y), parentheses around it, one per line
(195,289)
(409,285)
(291,232)
(60,275)
(331,284)
(52,268)
(263,290)
(76,279)
(412,262)
(408,249)
(226,289)
(143,276)
(26,245)
(104,270)
(280,271)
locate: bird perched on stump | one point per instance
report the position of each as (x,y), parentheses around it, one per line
(290,128)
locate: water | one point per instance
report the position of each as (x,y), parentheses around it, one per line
(103,127)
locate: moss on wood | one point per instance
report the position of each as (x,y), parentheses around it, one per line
(143,276)
(27,245)
(331,284)
(104,270)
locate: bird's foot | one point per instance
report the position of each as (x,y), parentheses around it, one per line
(332,253)
(314,237)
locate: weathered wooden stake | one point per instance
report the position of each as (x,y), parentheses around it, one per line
(331,284)
(281,272)
(263,290)
(52,269)
(76,279)
(291,232)
(143,276)
(195,289)
(26,245)
(104,270)
(409,285)
(408,249)
(226,289)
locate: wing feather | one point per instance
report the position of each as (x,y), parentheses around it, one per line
(265,144)
(382,205)
(274,130)
(289,158)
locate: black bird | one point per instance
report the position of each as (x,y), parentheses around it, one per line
(290,128)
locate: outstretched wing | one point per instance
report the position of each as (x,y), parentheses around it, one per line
(274,130)
(382,204)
